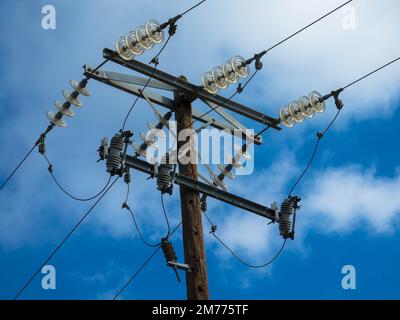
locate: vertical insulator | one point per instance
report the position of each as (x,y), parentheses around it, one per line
(169,252)
(114,154)
(203,203)
(127,178)
(42,148)
(164,178)
(285,223)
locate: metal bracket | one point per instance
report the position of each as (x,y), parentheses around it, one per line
(126,83)
(204,188)
(179,266)
(233,121)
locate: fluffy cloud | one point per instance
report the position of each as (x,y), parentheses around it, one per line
(349,198)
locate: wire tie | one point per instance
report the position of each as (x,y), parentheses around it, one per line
(125,206)
(338,102)
(320,135)
(51,170)
(155,61)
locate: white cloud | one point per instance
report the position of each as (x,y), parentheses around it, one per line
(336,200)
(246,233)
(350,198)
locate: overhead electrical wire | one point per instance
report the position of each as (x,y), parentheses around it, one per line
(156,62)
(63,241)
(314,153)
(192,8)
(136,100)
(371,73)
(257,57)
(169,234)
(17,167)
(306,27)
(321,135)
(166,216)
(132,213)
(261,266)
(38,141)
(145,263)
(51,171)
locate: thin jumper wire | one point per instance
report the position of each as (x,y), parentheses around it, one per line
(319,137)
(264,265)
(132,213)
(68,193)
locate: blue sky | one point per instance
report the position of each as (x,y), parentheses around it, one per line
(351,199)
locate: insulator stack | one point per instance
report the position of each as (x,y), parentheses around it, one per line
(305,107)
(164,177)
(285,222)
(64,109)
(169,251)
(134,43)
(229,73)
(114,159)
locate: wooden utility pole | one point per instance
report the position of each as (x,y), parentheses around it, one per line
(195,255)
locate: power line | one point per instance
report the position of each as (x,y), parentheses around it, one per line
(258,57)
(42,136)
(338,104)
(38,141)
(51,171)
(247,264)
(17,167)
(64,240)
(319,138)
(192,8)
(136,100)
(166,216)
(371,73)
(146,262)
(213,232)
(126,206)
(172,31)
(307,26)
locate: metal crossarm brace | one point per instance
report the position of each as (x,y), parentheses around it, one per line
(122,82)
(204,188)
(191,90)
